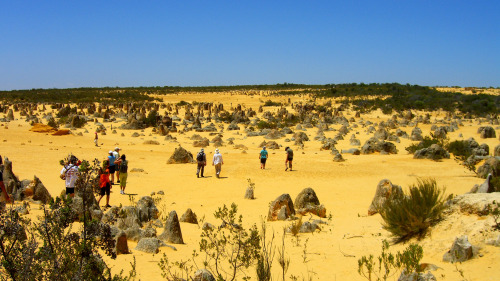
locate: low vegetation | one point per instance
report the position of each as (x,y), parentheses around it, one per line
(388,264)
(426,142)
(412,214)
(51,249)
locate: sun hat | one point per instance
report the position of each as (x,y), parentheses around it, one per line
(110,152)
(117,148)
(216,150)
(202,150)
(263,147)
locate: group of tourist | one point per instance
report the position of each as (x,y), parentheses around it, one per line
(116,164)
(263,156)
(217,162)
(201,159)
(113,164)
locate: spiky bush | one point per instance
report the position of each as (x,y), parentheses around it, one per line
(412,214)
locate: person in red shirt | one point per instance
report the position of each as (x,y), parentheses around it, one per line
(104,183)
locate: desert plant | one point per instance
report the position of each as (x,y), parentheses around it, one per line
(295,229)
(266,257)
(283,261)
(424,143)
(272,103)
(49,249)
(388,264)
(494,211)
(411,215)
(228,249)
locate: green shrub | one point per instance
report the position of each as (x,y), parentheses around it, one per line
(272,103)
(266,125)
(424,143)
(459,148)
(412,214)
(182,103)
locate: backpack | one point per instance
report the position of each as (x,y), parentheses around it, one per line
(124,166)
(63,176)
(200,157)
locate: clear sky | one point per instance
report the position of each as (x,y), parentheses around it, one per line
(64,44)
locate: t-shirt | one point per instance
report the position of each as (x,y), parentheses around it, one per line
(124,166)
(72,174)
(111,160)
(289,153)
(217,158)
(104,178)
(263,154)
(116,155)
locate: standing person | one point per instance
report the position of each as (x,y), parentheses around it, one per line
(116,154)
(96,139)
(104,183)
(70,174)
(289,158)
(112,166)
(201,158)
(123,164)
(263,155)
(217,162)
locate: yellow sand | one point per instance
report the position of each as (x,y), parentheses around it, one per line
(346,189)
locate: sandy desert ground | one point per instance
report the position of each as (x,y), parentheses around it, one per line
(345,188)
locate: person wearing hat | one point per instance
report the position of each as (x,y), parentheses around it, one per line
(217,162)
(70,174)
(201,158)
(116,154)
(112,166)
(263,155)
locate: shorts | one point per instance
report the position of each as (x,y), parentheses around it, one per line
(111,169)
(123,179)
(106,190)
(70,190)
(263,160)
(289,159)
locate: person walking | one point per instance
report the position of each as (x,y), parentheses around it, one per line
(201,158)
(70,174)
(104,183)
(112,166)
(217,162)
(123,164)
(116,154)
(263,155)
(289,158)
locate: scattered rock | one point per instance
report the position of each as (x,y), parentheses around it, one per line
(121,246)
(385,191)
(149,245)
(308,202)
(460,251)
(172,231)
(486,132)
(285,201)
(203,275)
(189,216)
(181,155)
(434,152)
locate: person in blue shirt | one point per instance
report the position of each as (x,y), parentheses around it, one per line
(263,155)
(112,159)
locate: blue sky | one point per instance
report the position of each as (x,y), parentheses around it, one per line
(63,44)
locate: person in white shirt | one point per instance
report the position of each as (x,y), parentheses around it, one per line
(70,173)
(217,162)
(116,154)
